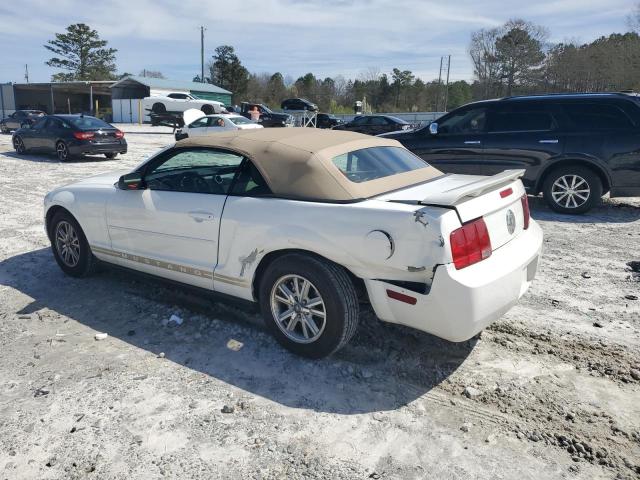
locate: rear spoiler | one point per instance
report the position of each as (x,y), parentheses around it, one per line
(473,189)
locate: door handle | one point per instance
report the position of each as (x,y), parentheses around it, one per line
(472,142)
(200,216)
(548,141)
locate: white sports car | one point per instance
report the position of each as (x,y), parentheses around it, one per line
(308,223)
(205,125)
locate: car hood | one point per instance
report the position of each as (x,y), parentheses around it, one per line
(191,115)
(104,179)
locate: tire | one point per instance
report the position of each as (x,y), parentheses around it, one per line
(62,151)
(327,282)
(64,231)
(158,108)
(18,145)
(207,110)
(572,189)
(111,155)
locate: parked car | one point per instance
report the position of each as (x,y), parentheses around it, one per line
(177,102)
(20,118)
(306,222)
(573,147)
(374,124)
(326,120)
(298,104)
(215,123)
(268,118)
(68,136)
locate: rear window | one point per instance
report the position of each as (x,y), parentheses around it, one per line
(88,123)
(377,162)
(594,116)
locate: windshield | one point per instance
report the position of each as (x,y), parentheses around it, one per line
(238,120)
(377,162)
(87,123)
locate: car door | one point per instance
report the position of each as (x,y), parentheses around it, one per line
(522,134)
(377,125)
(457,145)
(13,121)
(170,227)
(199,127)
(32,137)
(359,124)
(53,130)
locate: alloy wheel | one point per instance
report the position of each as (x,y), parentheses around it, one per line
(298,309)
(62,151)
(67,243)
(18,145)
(570,191)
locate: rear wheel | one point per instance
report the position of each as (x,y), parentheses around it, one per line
(158,108)
(309,304)
(70,247)
(18,145)
(62,151)
(111,155)
(572,189)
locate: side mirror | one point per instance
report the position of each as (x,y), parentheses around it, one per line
(130,181)
(433,128)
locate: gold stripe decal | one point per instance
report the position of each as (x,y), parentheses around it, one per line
(174,267)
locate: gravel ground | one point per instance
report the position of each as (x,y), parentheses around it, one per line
(549,391)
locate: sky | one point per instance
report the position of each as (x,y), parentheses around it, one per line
(326,37)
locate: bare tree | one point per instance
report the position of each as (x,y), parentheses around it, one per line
(486,68)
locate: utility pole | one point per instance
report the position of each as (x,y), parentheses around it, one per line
(439,84)
(26,72)
(446,87)
(202,29)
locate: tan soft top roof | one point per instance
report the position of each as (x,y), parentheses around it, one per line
(297,162)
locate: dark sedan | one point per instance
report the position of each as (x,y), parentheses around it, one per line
(375,124)
(298,104)
(69,136)
(326,120)
(19,119)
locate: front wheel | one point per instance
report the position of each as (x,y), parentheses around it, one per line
(70,247)
(309,304)
(572,189)
(18,145)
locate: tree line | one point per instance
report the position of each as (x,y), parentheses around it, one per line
(513,59)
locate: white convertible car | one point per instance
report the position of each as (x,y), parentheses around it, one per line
(309,223)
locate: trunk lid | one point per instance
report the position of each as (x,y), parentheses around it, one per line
(497,199)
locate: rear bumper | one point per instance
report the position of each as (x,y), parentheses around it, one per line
(97,148)
(462,303)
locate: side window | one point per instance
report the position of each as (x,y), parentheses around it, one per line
(201,122)
(464,122)
(377,121)
(216,122)
(360,120)
(250,182)
(597,116)
(177,96)
(196,170)
(521,120)
(39,125)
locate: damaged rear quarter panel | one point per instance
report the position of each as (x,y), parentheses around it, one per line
(253,227)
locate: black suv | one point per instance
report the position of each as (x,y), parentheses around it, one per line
(574,147)
(298,104)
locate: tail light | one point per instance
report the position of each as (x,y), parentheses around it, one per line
(525,210)
(470,244)
(83,135)
(119,134)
